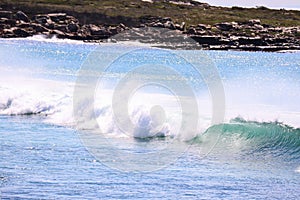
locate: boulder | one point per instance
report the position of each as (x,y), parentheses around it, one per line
(226,26)
(73,28)
(39,28)
(20,32)
(56,17)
(42,19)
(22,16)
(95,30)
(50,25)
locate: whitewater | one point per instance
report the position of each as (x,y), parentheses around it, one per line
(257,142)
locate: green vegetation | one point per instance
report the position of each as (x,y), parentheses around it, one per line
(110,11)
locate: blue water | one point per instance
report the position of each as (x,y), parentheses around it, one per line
(255,154)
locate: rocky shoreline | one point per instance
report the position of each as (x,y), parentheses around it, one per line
(251,35)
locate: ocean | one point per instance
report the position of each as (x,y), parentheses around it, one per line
(128,121)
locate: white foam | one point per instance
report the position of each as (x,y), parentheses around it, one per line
(52,39)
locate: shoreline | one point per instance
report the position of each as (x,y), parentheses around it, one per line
(54,39)
(252,35)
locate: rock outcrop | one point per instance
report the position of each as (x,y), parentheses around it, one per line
(251,35)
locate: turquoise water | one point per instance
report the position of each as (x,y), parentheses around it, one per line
(254,154)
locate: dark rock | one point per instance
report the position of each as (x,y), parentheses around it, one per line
(77,37)
(6,14)
(39,28)
(10,22)
(165,19)
(191,31)
(20,32)
(276,40)
(62,28)
(210,40)
(22,16)
(252,41)
(42,19)
(158,24)
(56,17)
(50,25)
(226,26)
(97,31)
(197,3)
(23,25)
(72,27)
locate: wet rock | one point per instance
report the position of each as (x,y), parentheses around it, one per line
(22,16)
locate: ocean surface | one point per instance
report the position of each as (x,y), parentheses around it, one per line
(68,131)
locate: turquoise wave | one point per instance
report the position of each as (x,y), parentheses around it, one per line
(253,138)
